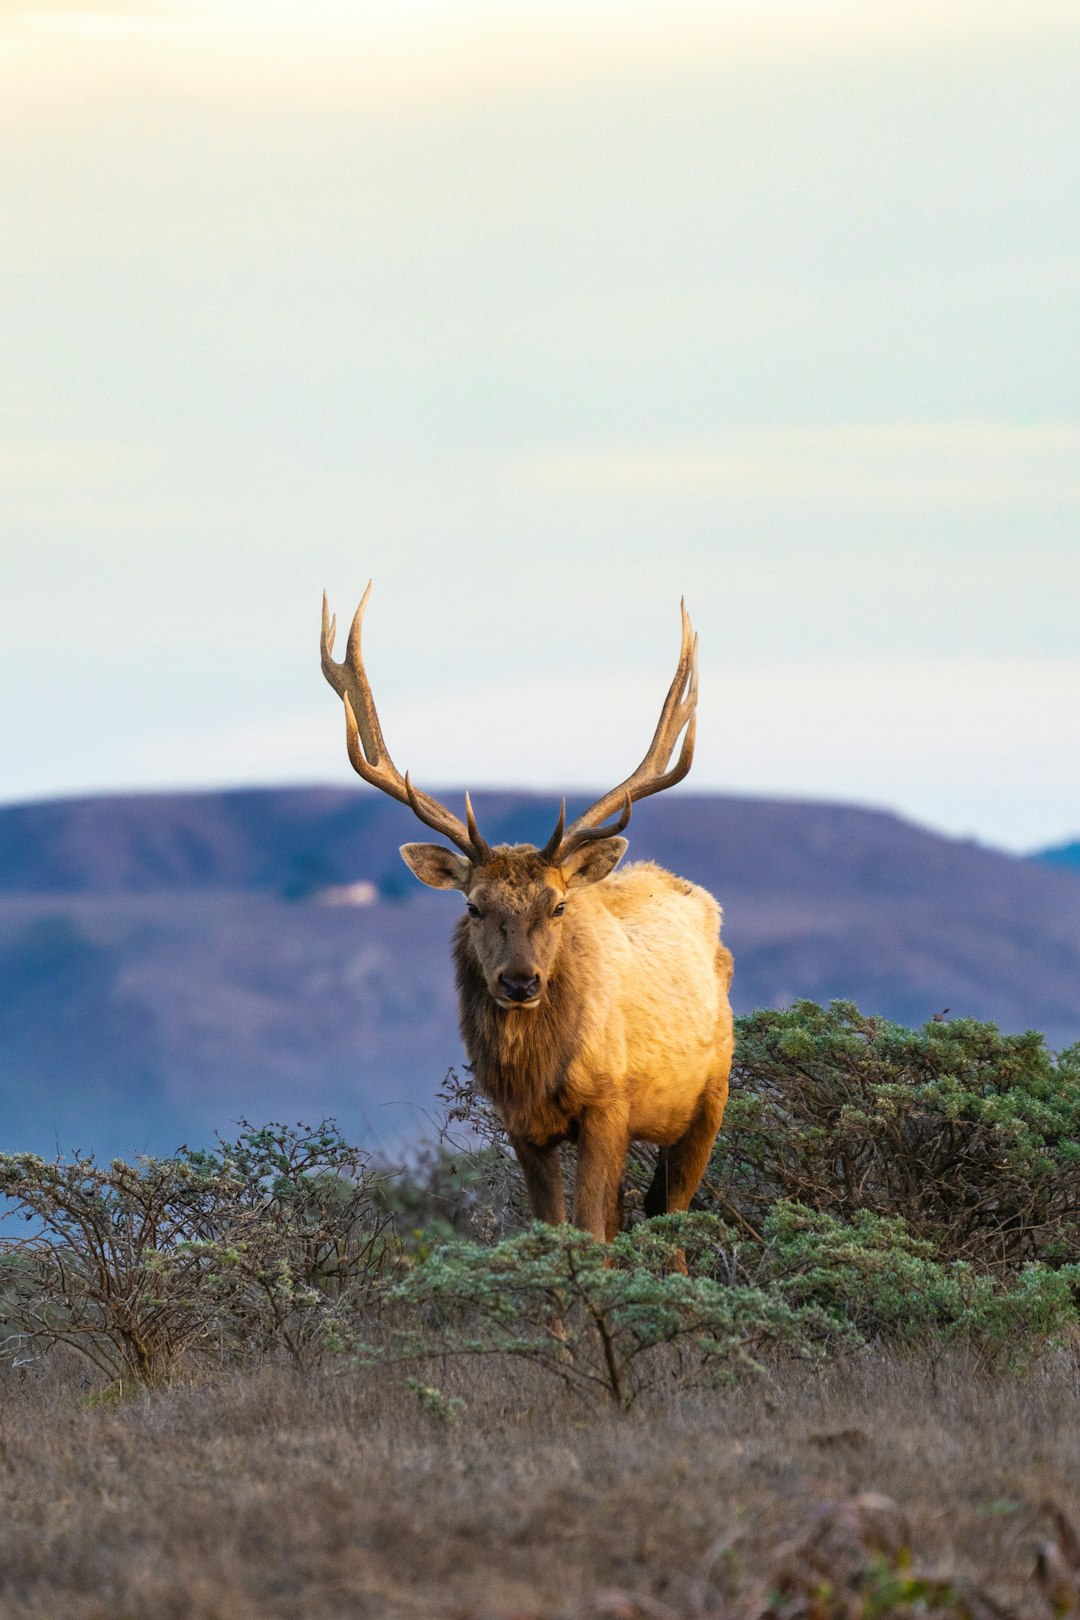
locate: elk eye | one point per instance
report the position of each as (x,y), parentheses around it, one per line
(474,911)
(559,909)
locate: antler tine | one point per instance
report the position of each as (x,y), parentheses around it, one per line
(437,816)
(551,848)
(677,717)
(589,835)
(359,687)
(367,748)
(482,849)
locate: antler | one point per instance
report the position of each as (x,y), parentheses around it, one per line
(652,775)
(368,752)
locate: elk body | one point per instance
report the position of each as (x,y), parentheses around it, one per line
(593,1003)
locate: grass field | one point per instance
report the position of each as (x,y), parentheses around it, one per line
(875,1486)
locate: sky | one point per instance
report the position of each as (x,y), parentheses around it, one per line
(544,315)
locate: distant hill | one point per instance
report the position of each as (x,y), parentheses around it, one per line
(1067,855)
(168,963)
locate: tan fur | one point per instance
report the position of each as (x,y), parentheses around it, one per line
(631,1039)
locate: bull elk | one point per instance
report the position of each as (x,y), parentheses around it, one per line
(593,1007)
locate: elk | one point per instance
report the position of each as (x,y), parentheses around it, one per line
(593,1004)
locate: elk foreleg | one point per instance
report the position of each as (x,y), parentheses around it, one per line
(542,1169)
(601,1157)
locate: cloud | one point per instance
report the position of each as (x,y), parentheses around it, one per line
(423,50)
(968,465)
(38,463)
(59,487)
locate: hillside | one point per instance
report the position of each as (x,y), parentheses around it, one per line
(168,963)
(1062,855)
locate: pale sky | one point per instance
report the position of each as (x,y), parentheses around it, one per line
(544,315)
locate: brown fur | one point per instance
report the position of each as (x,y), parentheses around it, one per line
(629,1037)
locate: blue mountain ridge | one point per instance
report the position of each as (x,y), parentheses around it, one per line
(1067,855)
(169,962)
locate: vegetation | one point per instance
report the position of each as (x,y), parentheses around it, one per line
(971,1136)
(679,1301)
(271,1243)
(596,1316)
(872,1487)
(886,1210)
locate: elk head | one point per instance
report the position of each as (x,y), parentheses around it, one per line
(520,899)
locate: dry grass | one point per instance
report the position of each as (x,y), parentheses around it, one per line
(268,1495)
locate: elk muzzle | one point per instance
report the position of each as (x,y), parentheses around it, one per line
(519,988)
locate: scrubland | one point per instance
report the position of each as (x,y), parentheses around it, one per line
(879,1485)
(280,1379)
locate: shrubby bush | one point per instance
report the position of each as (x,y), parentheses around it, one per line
(908,1186)
(887,1284)
(311,1237)
(466,1184)
(624,1316)
(972,1136)
(269,1244)
(123,1263)
(593,1314)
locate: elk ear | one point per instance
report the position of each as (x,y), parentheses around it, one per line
(439,868)
(594,861)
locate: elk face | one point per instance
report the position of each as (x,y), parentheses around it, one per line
(517,903)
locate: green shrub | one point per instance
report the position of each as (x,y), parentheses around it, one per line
(307,1235)
(624,1317)
(973,1137)
(595,1315)
(123,1262)
(873,1275)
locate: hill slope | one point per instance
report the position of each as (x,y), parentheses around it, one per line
(1062,855)
(166,963)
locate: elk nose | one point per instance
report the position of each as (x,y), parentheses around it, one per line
(518,988)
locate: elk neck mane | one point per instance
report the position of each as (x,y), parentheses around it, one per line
(520,1059)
